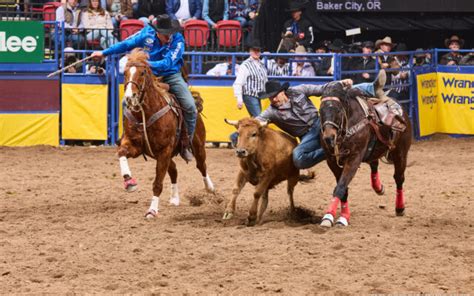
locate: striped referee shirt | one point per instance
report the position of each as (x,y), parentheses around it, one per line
(274,69)
(250,80)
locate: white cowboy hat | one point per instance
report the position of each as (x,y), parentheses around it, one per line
(386,40)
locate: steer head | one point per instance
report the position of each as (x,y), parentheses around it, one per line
(249,132)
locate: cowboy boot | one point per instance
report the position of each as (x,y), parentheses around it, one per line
(186,152)
(379,83)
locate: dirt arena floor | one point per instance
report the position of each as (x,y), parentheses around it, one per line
(67,226)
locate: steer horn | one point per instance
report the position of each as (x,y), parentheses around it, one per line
(232,122)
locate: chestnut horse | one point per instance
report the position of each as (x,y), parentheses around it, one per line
(348,140)
(150,127)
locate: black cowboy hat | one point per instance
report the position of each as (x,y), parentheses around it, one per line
(454,38)
(296,6)
(401,47)
(272,88)
(165,25)
(255,44)
(368,44)
(337,44)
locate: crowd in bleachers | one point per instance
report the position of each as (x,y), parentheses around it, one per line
(219,25)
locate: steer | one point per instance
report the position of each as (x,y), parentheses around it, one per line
(265,160)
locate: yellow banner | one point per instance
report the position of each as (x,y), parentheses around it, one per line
(84,111)
(29,129)
(446,103)
(219,103)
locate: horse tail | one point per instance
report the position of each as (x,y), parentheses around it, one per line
(198,100)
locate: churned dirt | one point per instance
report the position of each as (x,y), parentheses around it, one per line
(67,226)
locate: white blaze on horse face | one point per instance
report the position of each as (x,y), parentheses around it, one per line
(129,91)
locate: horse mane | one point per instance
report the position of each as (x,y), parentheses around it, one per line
(140,57)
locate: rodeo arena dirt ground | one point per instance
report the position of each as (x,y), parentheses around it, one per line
(67,226)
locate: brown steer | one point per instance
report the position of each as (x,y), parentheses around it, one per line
(265,160)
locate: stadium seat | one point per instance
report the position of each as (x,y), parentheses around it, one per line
(130,27)
(229,33)
(196,33)
(49,11)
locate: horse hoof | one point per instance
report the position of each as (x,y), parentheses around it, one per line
(342,222)
(400,212)
(150,214)
(174,201)
(381,191)
(130,185)
(251,222)
(328,221)
(227,216)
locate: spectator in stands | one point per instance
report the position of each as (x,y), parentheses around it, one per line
(278,66)
(148,9)
(214,11)
(243,11)
(98,24)
(395,78)
(468,59)
(298,26)
(249,83)
(70,13)
(453,57)
(364,63)
(70,58)
(402,58)
(302,68)
(421,58)
(120,10)
(223,69)
(337,46)
(184,10)
(322,64)
(384,46)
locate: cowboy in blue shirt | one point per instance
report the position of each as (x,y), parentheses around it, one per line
(165,47)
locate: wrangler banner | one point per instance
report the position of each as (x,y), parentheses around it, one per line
(445,103)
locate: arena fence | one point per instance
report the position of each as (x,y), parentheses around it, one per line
(85,104)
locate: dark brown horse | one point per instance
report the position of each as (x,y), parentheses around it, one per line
(150,127)
(349,139)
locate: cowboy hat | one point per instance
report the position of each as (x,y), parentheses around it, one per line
(337,44)
(165,25)
(368,44)
(454,38)
(300,49)
(296,6)
(255,44)
(272,88)
(386,40)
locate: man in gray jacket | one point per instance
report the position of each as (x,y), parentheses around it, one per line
(293,112)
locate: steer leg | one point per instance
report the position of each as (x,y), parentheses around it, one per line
(239,184)
(292,181)
(260,189)
(263,207)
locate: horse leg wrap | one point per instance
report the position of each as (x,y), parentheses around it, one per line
(124,168)
(375,182)
(345,212)
(153,209)
(400,202)
(333,206)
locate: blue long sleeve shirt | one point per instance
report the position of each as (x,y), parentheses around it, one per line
(164,59)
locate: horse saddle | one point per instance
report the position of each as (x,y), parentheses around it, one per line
(386,112)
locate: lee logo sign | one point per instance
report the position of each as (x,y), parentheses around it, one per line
(21,42)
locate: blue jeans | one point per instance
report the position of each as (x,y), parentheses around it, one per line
(75,40)
(309,151)
(254,107)
(366,87)
(180,89)
(104,36)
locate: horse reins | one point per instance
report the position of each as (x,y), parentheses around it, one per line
(140,105)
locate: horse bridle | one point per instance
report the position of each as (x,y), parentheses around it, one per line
(141,89)
(344,120)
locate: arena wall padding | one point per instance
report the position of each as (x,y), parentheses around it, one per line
(28,129)
(84,112)
(29,95)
